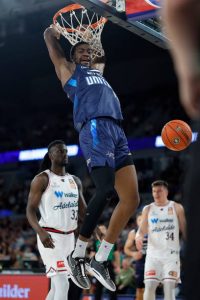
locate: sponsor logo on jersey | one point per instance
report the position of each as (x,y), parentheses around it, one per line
(60,194)
(72,183)
(173,273)
(166,220)
(9,291)
(64,205)
(60,264)
(164,228)
(150,273)
(154,220)
(170,211)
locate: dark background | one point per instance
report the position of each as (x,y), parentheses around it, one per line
(137,70)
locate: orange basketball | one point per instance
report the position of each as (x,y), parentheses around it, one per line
(176,135)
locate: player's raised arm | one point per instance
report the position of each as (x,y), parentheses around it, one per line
(64,69)
(99,63)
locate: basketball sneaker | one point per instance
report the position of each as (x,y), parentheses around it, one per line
(100,271)
(77,271)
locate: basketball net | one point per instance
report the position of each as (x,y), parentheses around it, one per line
(77,24)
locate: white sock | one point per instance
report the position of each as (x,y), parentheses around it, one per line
(104,251)
(80,249)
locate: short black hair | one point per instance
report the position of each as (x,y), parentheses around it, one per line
(56,142)
(160,183)
(73,48)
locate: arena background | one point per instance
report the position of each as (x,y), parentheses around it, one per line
(34,111)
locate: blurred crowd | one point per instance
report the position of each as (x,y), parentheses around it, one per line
(140,119)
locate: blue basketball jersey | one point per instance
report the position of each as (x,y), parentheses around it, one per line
(92,96)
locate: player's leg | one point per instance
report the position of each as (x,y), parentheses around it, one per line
(126,186)
(169,289)
(127,190)
(96,143)
(139,293)
(103,178)
(139,278)
(171,276)
(60,287)
(51,294)
(152,277)
(56,264)
(150,289)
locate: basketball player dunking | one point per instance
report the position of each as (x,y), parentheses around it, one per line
(161,220)
(58,195)
(97,117)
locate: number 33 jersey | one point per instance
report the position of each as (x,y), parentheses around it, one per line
(59,203)
(163,231)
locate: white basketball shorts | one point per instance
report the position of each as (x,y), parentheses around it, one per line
(55,259)
(162,269)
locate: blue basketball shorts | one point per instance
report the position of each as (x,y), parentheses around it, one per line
(103,142)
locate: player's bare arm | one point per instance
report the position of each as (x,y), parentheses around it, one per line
(82,204)
(64,69)
(99,63)
(128,247)
(38,186)
(181,219)
(143,228)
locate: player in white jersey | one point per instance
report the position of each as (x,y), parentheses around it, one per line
(162,220)
(58,196)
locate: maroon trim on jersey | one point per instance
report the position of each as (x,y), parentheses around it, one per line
(51,269)
(57,231)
